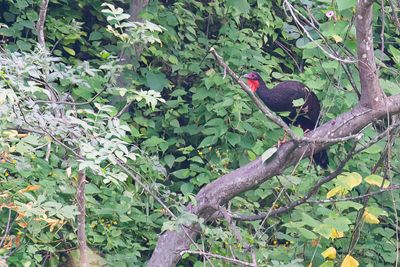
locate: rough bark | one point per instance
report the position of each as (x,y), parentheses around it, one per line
(219,192)
(81,203)
(371,92)
(40,23)
(135,7)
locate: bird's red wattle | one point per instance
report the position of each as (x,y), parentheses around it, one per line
(253,84)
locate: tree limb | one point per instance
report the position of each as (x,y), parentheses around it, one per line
(40,22)
(371,92)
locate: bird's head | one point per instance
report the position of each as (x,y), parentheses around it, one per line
(253,80)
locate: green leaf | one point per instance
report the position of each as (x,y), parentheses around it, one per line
(23,148)
(240,5)
(169,160)
(307,233)
(95,36)
(309,220)
(187,188)
(374,149)
(173,59)
(298,102)
(339,223)
(69,50)
(156,81)
(268,153)
(328,264)
(181,174)
(91,189)
(153,141)
(298,131)
(344,205)
(345,4)
(208,141)
(233,138)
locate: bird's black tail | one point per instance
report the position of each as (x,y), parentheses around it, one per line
(321,158)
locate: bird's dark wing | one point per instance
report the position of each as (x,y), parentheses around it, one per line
(281,98)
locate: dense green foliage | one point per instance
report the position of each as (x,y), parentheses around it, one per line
(186,125)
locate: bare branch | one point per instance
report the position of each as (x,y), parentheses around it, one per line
(370,194)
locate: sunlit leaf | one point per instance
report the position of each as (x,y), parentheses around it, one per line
(29,188)
(336,234)
(333,192)
(329,253)
(350,180)
(349,261)
(370,218)
(337,38)
(377,180)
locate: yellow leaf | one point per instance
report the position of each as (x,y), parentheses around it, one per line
(349,261)
(10,133)
(369,218)
(22,135)
(377,180)
(22,224)
(334,191)
(310,265)
(29,188)
(329,253)
(336,234)
(337,38)
(350,180)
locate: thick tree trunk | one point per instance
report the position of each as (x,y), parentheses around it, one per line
(371,92)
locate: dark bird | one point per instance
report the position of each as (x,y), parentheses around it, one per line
(280,99)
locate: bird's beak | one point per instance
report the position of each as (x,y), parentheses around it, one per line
(247,76)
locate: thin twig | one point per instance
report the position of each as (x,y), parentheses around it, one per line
(370,194)
(7,228)
(395,17)
(71,103)
(329,54)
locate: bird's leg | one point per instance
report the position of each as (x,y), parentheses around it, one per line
(283,141)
